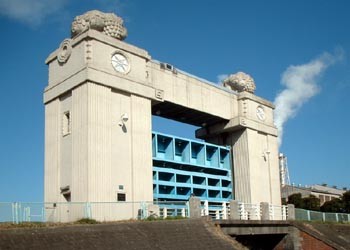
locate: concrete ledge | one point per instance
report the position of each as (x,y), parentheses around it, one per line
(335,235)
(253,227)
(88,74)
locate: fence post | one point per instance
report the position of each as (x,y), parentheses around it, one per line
(188,208)
(243,212)
(323,216)
(43,214)
(183,212)
(13,212)
(88,213)
(20,213)
(234,210)
(16,213)
(265,211)
(337,217)
(284,212)
(224,211)
(195,207)
(309,216)
(165,212)
(26,214)
(291,212)
(206,208)
(217,214)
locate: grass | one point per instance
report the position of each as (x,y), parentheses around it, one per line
(26,225)
(8,225)
(82,221)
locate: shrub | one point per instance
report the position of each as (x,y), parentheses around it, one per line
(86,221)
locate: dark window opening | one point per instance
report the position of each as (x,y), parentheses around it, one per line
(121,197)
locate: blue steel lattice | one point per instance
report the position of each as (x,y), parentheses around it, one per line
(183,167)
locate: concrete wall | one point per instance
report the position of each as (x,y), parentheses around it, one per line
(52,147)
(189,91)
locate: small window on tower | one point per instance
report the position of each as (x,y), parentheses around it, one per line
(66,126)
(121,197)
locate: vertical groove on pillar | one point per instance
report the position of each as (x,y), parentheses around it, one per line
(141,148)
(241,166)
(99,143)
(52,151)
(79,119)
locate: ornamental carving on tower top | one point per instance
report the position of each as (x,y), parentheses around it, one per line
(240,82)
(107,23)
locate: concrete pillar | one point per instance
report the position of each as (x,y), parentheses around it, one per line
(195,207)
(183,212)
(234,210)
(291,212)
(224,211)
(265,211)
(153,211)
(206,208)
(165,212)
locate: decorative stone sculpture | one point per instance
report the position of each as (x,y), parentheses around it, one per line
(107,23)
(240,82)
(65,51)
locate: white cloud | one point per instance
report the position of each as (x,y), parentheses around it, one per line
(301,84)
(30,12)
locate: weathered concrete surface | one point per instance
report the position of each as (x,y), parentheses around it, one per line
(195,207)
(180,234)
(336,235)
(287,234)
(252,227)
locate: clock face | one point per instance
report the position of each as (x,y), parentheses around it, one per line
(260,113)
(120,63)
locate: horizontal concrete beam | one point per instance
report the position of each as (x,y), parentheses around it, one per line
(234,124)
(89,74)
(254,230)
(253,227)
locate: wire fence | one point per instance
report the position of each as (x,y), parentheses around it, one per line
(307,215)
(20,212)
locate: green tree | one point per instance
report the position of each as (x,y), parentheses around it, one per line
(346,201)
(296,200)
(284,201)
(311,203)
(335,206)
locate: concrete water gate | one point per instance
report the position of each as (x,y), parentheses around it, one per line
(99,101)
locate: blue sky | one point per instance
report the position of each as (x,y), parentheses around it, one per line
(281,44)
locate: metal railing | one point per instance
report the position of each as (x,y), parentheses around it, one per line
(249,211)
(216,210)
(278,212)
(246,211)
(308,215)
(19,212)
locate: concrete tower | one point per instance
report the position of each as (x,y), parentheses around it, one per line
(99,100)
(253,137)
